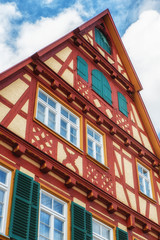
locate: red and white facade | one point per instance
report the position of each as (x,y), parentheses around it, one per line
(111,190)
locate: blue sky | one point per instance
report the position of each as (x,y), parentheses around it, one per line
(26,26)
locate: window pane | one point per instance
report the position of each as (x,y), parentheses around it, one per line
(3,176)
(45,218)
(46,200)
(1,196)
(97,137)
(58,235)
(63,130)
(148,192)
(58,224)
(141,184)
(51,103)
(42,238)
(44,230)
(1,209)
(96,228)
(58,229)
(73,119)
(90,147)
(90,132)
(145,173)
(73,131)
(139,169)
(58,207)
(64,112)
(73,135)
(42,96)
(51,120)
(41,112)
(98,149)
(105,233)
(90,143)
(44,224)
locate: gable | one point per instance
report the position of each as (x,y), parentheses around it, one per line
(61,58)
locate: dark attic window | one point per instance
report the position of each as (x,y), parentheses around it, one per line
(101,39)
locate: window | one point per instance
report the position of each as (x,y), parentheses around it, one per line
(144,180)
(53,218)
(101,231)
(58,118)
(82,68)
(122,104)
(101,85)
(5,178)
(102,41)
(95,144)
(25,208)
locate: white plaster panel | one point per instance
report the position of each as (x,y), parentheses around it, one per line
(128,173)
(4,110)
(14,91)
(18,126)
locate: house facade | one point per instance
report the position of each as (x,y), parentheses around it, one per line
(79,157)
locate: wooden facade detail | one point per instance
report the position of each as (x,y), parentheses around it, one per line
(110,190)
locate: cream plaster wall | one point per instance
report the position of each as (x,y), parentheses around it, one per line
(136,134)
(132,199)
(61,154)
(142,204)
(25,107)
(136,117)
(153,213)
(76,200)
(68,77)
(119,160)
(79,165)
(27,77)
(27,172)
(53,64)
(14,91)
(18,126)
(128,173)
(4,110)
(97,103)
(120,193)
(64,53)
(146,142)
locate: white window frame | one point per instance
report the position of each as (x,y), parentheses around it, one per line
(144,179)
(58,117)
(6,188)
(54,214)
(99,236)
(95,142)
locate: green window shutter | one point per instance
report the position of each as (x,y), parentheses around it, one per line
(121,234)
(33,228)
(122,104)
(101,85)
(107,93)
(24,214)
(81,223)
(102,41)
(82,68)
(88,226)
(97,82)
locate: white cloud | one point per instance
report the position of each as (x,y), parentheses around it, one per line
(142,40)
(33,36)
